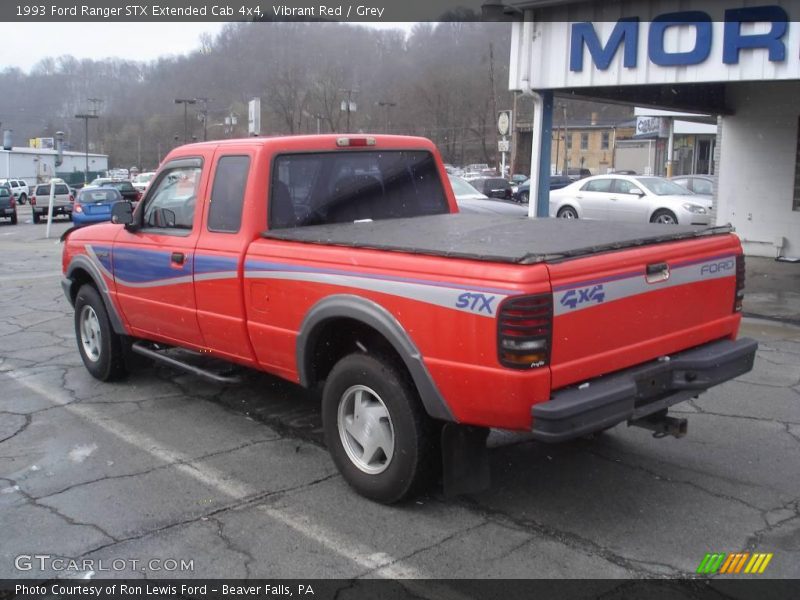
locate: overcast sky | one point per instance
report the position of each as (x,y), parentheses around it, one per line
(25,44)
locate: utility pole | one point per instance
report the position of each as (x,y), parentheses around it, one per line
(494,102)
(349,106)
(388,106)
(203,114)
(186,102)
(566,142)
(86,117)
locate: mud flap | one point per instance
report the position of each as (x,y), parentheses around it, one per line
(465,459)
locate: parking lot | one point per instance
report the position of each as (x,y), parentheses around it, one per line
(165,469)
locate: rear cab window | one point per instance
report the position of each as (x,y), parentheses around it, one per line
(342,187)
(227,194)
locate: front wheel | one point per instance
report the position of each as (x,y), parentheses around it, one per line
(524,197)
(377,432)
(101,349)
(23,199)
(664,217)
(567,213)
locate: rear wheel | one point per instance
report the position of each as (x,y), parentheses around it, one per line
(14,218)
(101,349)
(377,432)
(665,217)
(567,212)
(36,217)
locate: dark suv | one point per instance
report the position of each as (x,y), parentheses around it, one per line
(8,204)
(494,187)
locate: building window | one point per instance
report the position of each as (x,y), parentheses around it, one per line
(584,141)
(569,141)
(606,140)
(796,204)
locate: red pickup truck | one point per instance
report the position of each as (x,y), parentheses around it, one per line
(343,261)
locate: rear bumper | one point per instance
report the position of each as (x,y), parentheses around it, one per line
(640,390)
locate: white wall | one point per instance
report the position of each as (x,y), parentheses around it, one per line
(757,167)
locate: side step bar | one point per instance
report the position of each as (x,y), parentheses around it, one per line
(151,351)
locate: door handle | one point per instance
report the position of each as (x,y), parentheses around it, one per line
(178,258)
(657,272)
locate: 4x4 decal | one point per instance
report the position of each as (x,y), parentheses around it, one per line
(573,298)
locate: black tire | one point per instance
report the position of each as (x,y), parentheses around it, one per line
(36,218)
(567,212)
(413,462)
(14,218)
(665,217)
(23,199)
(100,347)
(524,197)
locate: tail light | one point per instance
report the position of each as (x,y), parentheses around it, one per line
(33,200)
(77,208)
(739,293)
(13,203)
(71,198)
(524,331)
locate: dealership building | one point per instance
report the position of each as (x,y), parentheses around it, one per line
(735,64)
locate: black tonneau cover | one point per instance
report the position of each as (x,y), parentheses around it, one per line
(493,238)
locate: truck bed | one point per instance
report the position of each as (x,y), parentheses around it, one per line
(493,238)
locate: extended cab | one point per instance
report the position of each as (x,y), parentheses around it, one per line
(339,261)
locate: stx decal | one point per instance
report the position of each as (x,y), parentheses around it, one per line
(476,302)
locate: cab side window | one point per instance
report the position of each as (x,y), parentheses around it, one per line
(227,194)
(171,204)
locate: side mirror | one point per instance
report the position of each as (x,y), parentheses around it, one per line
(636,192)
(122,213)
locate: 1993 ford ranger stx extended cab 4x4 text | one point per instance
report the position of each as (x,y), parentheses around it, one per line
(343,261)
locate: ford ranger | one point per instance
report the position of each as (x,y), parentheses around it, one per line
(342,261)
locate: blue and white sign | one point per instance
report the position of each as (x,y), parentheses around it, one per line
(756,42)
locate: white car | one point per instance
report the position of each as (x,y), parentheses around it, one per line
(18,188)
(142,181)
(631,199)
(471,201)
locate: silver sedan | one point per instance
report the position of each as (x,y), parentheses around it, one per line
(633,199)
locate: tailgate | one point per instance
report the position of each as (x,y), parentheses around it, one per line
(618,309)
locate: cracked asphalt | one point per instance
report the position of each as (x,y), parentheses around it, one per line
(236,479)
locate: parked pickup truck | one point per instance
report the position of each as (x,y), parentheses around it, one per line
(342,262)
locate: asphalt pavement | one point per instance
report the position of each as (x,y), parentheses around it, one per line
(166,475)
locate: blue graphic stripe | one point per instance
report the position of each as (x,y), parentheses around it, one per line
(697,261)
(254,265)
(103,254)
(147,266)
(205,263)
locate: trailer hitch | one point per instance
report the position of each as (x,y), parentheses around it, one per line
(661,424)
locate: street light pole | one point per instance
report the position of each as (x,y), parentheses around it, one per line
(186,102)
(388,106)
(86,117)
